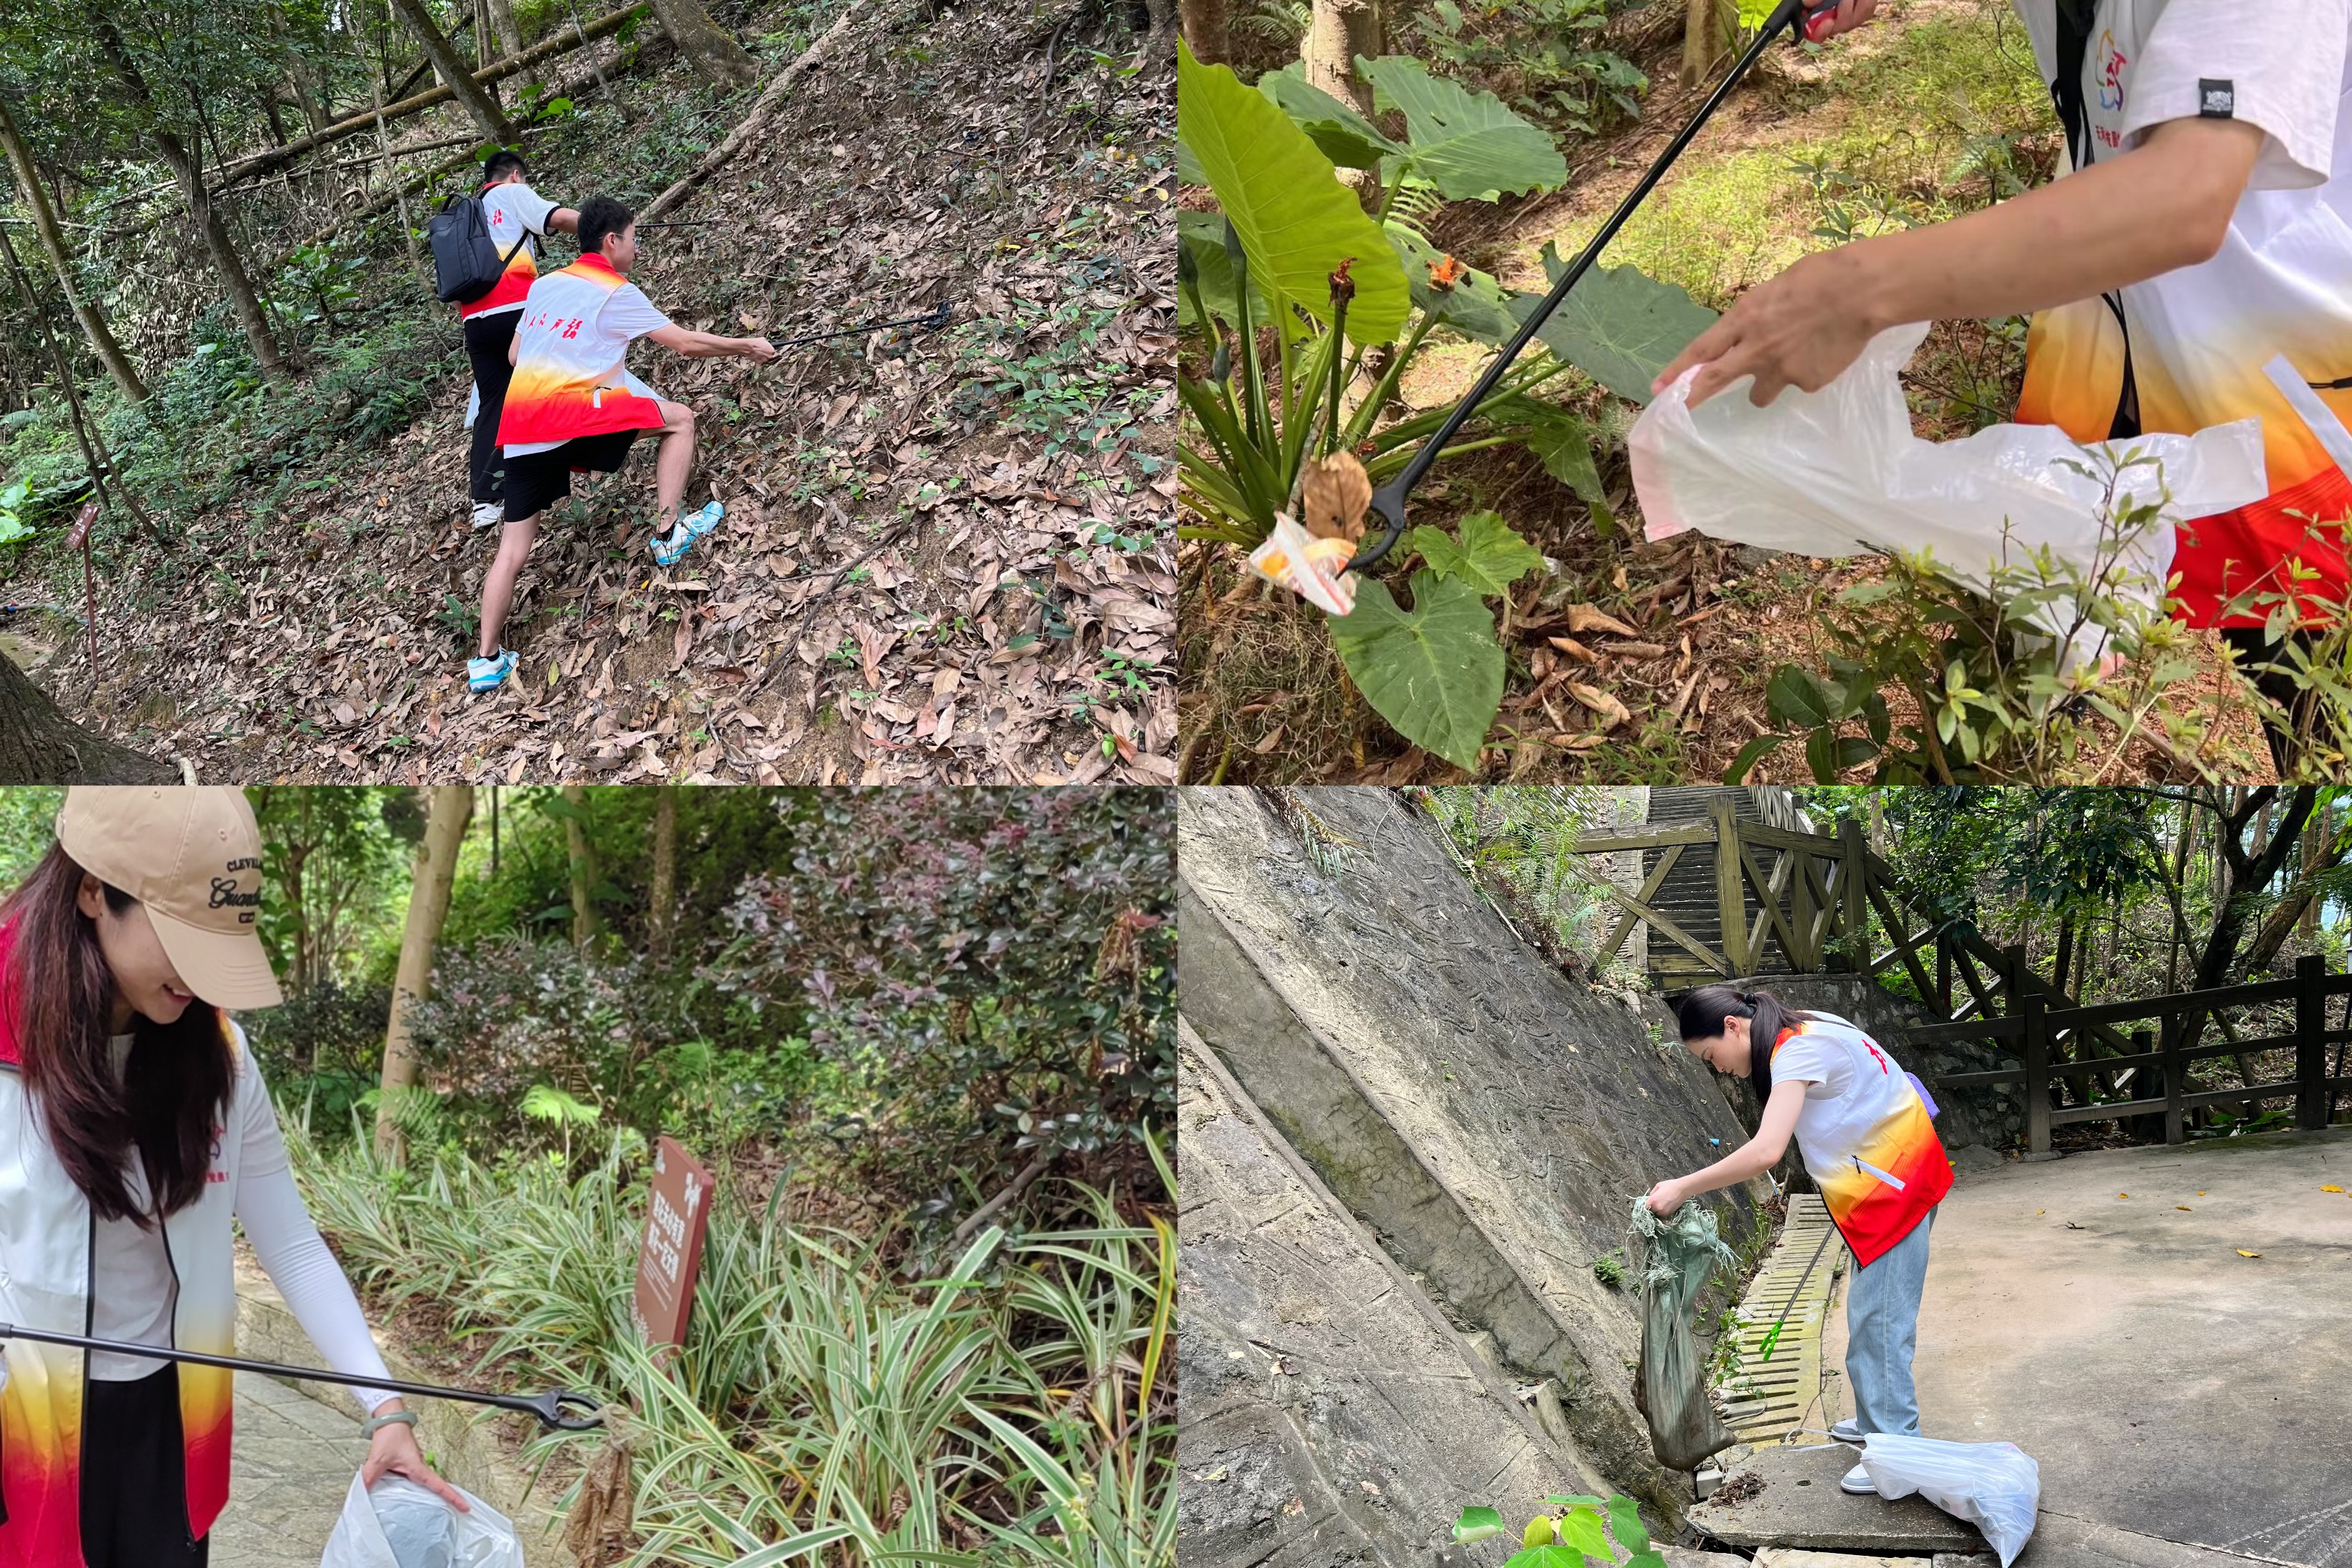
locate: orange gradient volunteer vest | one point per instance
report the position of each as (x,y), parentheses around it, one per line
(2196,339)
(1874,1152)
(46,1233)
(570,380)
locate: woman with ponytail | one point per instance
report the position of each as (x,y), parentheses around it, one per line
(134,1127)
(1863,1129)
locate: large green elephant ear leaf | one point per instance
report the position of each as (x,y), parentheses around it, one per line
(1467,144)
(1346,138)
(1297,222)
(1476,306)
(1204,235)
(1618,325)
(1434,671)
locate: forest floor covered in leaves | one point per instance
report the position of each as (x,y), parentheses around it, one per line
(1910,119)
(946,556)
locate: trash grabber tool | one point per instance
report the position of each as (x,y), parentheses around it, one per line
(1764,1351)
(549,1408)
(1389,500)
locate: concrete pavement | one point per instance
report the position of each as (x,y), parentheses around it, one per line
(2167,1385)
(294,1459)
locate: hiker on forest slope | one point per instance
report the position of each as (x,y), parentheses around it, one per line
(2199,229)
(134,1128)
(573,408)
(1868,1140)
(518,217)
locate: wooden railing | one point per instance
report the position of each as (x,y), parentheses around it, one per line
(1807,889)
(1811,896)
(2038,1032)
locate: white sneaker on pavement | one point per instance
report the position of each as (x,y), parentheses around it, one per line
(1857,1481)
(1847,1431)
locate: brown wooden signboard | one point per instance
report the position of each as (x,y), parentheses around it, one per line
(677,1215)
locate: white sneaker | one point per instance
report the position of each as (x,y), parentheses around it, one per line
(488,514)
(1857,1481)
(1847,1431)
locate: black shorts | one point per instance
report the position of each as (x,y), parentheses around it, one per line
(537,480)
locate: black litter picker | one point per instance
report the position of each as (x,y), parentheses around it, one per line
(1805,22)
(555,1409)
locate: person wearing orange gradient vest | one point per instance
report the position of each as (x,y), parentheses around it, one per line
(2200,228)
(134,1125)
(574,406)
(1868,1140)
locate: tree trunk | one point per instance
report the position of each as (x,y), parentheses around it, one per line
(104,476)
(708,47)
(39,745)
(451,807)
(663,917)
(547,48)
(45,223)
(1208,30)
(1709,29)
(187,168)
(204,208)
(1342,30)
(582,856)
(460,81)
(502,23)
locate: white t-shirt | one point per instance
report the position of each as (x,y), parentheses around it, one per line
(514,212)
(134,1290)
(1852,1088)
(2282,283)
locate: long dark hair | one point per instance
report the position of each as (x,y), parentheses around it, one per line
(1701,1013)
(175,1088)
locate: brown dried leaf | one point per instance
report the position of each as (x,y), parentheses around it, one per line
(1574,649)
(1336,494)
(1602,703)
(1587,618)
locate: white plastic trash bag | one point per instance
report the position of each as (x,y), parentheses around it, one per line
(400,1524)
(1996,1487)
(1838,472)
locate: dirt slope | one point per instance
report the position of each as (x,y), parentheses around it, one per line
(945,557)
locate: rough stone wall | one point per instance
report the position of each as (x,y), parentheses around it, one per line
(1489,1119)
(1331,1416)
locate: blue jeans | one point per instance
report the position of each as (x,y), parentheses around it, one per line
(1882,1328)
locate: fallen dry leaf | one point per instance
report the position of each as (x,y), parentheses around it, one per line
(1587,618)
(1337,492)
(1603,703)
(1574,649)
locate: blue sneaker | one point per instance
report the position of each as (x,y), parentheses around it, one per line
(691,527)
(489,674)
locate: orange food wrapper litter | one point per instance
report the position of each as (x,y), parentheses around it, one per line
(1313,569)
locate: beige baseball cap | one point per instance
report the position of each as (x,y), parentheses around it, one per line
(192,855)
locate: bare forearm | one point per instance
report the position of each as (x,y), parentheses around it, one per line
(708,345)
(2164,205)
(1743,1163)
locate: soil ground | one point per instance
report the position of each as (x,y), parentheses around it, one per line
(945,556)
(1910,119)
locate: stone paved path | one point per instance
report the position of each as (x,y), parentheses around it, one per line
(294,1460)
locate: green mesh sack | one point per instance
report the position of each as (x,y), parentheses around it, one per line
(1678,1256)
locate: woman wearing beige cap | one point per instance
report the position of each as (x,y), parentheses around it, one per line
(133,1125)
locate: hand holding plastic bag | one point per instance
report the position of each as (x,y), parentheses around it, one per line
(1996,1487)
(1838,472)
(400,1524)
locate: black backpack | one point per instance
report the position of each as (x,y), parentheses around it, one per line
(466,265)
